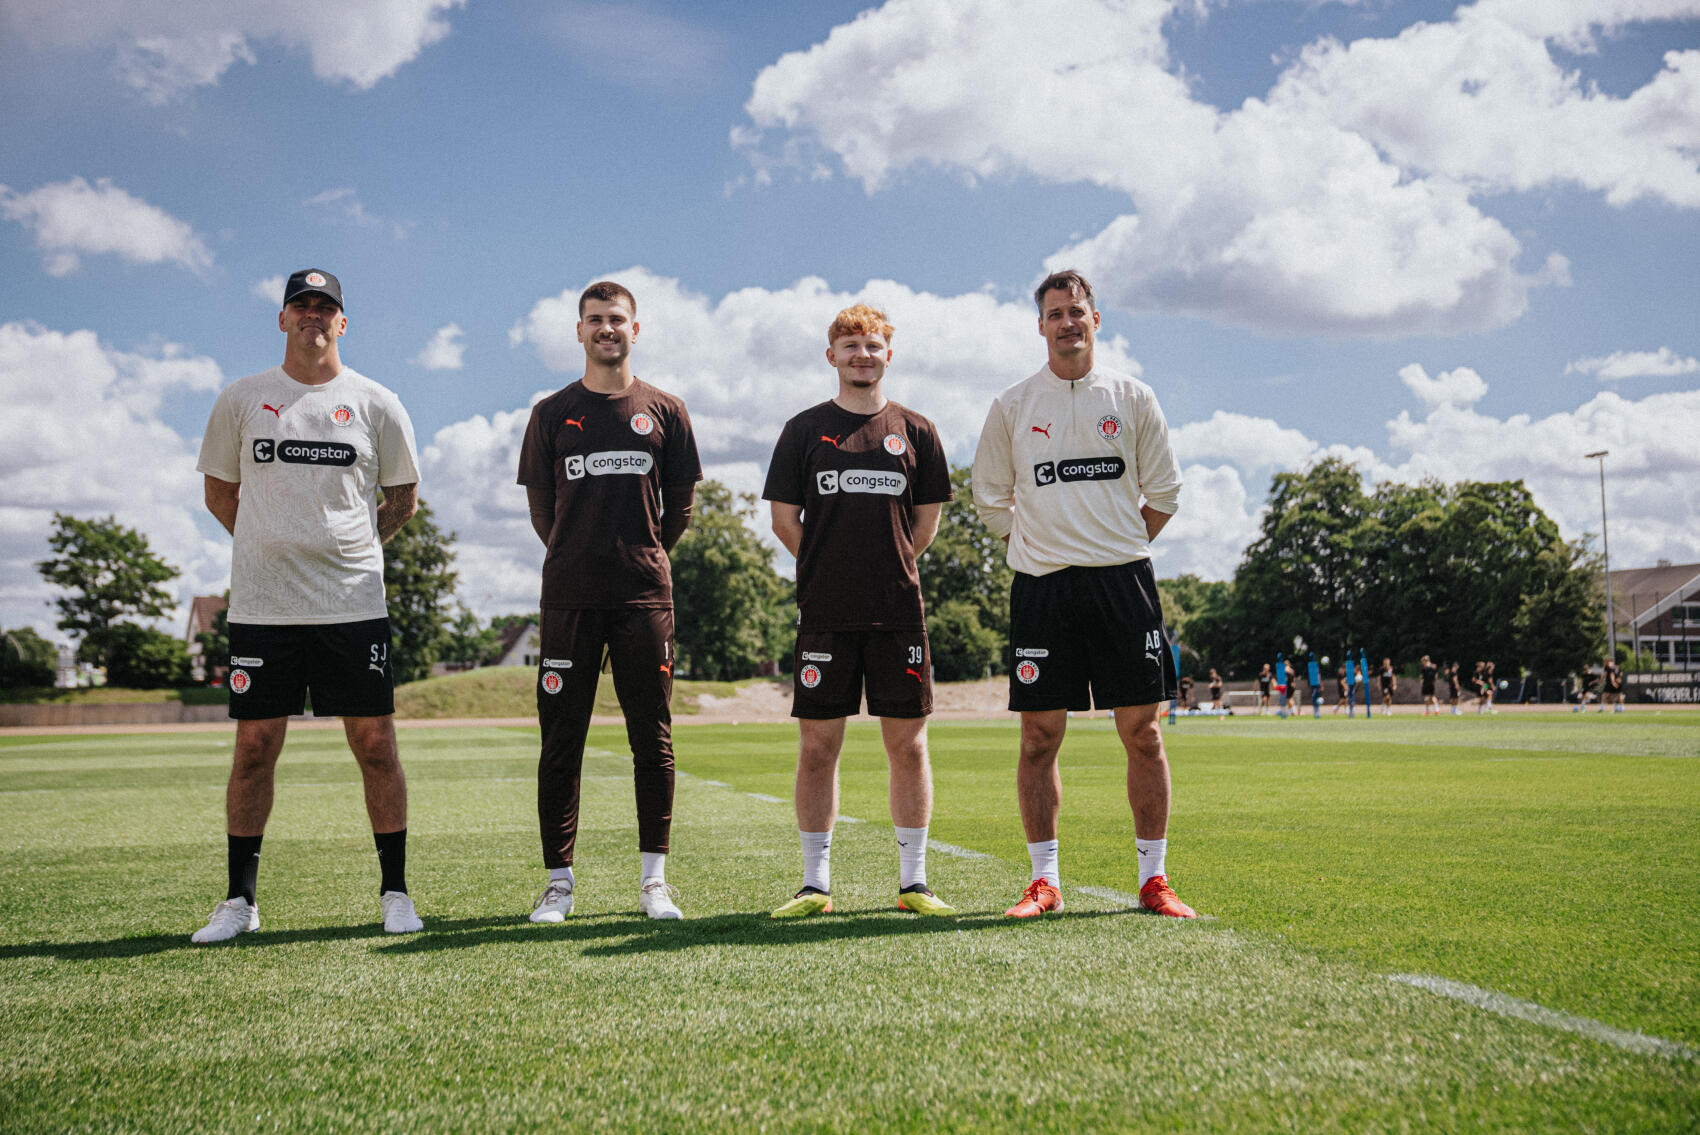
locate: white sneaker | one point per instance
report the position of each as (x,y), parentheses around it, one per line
(555,903)
(399,915)
(229,918)
(656,900)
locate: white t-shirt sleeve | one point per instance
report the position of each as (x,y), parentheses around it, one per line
(221,446)
(1159,472)
(398,457)
(993,479)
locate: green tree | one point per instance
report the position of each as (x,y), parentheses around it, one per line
(732,610)
(143,658)
(468,641)
(26,659)
(1303,575)
(419,582)
(110,575)
(1561,627)
(1193,608)
(965,569)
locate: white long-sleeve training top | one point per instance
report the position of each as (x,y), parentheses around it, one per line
(1062,466)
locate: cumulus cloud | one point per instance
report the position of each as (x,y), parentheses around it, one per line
(72,219)
(82,423)
(445,351)
(165,50)
(1460,387)
(748,361)
(270,289)
(1344,201)
(345,202)
(1662,363)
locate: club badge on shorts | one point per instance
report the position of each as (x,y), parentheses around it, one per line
(239,681)
(810,676)
(1027,672)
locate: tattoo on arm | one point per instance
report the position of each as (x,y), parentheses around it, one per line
(396,509)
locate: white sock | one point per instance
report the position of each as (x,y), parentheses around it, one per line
(654,868)
(1151,853)
(561,874)
(817,860)
(1045,855)
(911,856)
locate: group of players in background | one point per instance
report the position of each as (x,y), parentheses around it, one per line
(1278,692)
(1073,470)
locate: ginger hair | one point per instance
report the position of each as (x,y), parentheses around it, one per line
(860,320)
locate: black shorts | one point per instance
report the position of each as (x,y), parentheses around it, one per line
(1086,636)
(345,665)
(832,667)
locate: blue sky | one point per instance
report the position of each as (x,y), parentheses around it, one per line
(1449,241)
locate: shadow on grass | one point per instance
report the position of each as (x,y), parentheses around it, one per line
(622,934)
(601,935)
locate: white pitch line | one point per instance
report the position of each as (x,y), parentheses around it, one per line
(1106,893)
(959,852)
(1507,1006)
(766,797)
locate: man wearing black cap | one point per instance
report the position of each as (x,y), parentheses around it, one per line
(294,459)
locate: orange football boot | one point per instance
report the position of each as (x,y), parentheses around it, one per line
(1039,898)
(1158,897)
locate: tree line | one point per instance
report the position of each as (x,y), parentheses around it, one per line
(1468,571)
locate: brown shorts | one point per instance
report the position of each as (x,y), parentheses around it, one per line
(832,667)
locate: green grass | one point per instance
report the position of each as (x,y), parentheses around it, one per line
(511,691)
(1554,860)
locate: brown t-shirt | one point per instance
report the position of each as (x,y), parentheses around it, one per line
(858,478)
(607,458)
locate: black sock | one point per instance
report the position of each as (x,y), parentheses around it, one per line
(392,860)
(244,860)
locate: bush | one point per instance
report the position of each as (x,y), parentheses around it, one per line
(142,658)
(963,648)
(26,659)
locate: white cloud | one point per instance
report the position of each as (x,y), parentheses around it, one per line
(72,219)
(1662,363)
(445,351)
(82,436)
(748,361)
(165,50)
(1460,387)
(1343,202)
(346,201)
(658,51)
(1251,443)
(270,289)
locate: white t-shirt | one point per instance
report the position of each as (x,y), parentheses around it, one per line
(1062,466)
(310,460)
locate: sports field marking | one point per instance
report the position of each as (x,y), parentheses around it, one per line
(1119,897)
(959,852)
(1507,1006)
(766,797)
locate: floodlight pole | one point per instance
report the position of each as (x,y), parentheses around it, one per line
(1605,541)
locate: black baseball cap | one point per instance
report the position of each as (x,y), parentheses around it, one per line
(312,280)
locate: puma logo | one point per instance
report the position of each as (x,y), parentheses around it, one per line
(667,669)
(277,411)
(374,666)
(1044,429)
(577,423)
(915,674)
(832,441)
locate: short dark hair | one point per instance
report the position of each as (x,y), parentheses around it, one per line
(607,291)
(1068,280)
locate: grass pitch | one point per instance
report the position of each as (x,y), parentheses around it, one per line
(1554,862)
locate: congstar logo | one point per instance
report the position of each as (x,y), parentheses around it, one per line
(1079,469)
(604,464)
(862,481)
(315,453)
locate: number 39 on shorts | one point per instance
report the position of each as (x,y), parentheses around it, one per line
(915,655)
